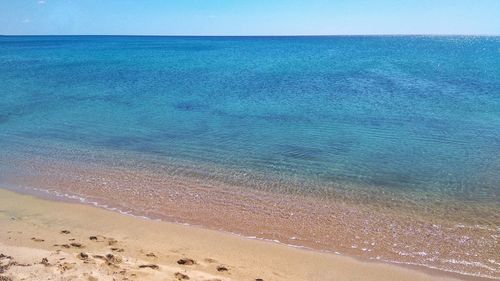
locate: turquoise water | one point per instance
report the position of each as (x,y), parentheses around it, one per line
(401,112)
(361,118)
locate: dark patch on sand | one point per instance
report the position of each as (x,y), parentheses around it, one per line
(83,256)
(77,245)
(181,276)
(113,259)
(112,241)
(66,266)
(152,266)
(186,261)
(110,259)
(2,256)
(222,268)
(45,262)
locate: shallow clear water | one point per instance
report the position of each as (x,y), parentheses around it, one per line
(392,124)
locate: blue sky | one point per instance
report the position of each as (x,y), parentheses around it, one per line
(249,17)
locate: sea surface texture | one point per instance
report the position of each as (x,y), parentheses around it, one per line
(385,148)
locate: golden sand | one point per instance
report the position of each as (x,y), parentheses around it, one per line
(42,240)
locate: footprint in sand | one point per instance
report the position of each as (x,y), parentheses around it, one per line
(118,250)
(112,241)
(2,256)
(110,259)
(113,259)
(152,266)
(45,262)
(181,276)
(77,245)
(66,266)
(5,266)
(222,268)
(83,256)
(186,261)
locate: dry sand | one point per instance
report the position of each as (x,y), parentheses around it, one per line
(47,240)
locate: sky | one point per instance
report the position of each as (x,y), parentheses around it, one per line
(249,17)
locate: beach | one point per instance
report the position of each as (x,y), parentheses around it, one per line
(353,153)
(47,240)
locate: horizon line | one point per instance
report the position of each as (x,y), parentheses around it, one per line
(264,35)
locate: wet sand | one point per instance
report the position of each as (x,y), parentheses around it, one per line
(42,240)
(448,236)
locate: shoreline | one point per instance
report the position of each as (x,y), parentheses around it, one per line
(248,257)
(55,196)
(353,230)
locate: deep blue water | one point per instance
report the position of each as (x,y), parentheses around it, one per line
(401,113)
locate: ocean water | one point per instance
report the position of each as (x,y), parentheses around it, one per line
(384,147)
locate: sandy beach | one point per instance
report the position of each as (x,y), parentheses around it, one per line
(47,240)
